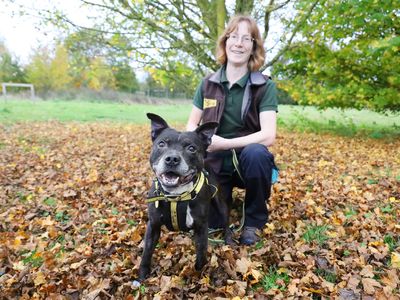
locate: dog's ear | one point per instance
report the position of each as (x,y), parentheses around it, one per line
(206,131)
(158,124)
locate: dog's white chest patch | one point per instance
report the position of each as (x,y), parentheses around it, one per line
(189,218)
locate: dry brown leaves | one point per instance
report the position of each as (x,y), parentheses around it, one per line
(73,217)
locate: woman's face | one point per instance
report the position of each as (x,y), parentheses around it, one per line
(239,45)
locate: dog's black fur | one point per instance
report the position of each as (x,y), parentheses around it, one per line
(177,159)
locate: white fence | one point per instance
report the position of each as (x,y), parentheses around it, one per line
(4,86)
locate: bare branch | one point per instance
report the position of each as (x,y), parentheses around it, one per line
(294,32)
(277,7)
(93,29)
(267,18)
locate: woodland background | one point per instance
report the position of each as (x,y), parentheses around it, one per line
(320,52)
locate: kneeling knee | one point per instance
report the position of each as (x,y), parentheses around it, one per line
(256,152)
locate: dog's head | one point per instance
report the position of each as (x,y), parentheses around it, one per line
(176,157)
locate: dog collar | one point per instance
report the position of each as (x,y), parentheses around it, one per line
(188,195)
(174,199)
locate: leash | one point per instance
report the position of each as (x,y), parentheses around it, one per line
(236,165)
(274,179)
(274,175)
(231,227)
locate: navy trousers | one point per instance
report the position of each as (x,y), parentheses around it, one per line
(256,164)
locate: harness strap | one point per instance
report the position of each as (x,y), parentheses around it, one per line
(173,199)
(174,215)
(188,195)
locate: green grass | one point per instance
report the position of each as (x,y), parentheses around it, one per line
(349,122)
(316,233)
(327,275)
(62,216)
(50,201)
(33,259)
(299,118)
(391,242)
(350,212)
(85,111)
(275,280)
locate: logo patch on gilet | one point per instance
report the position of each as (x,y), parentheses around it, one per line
(209,103)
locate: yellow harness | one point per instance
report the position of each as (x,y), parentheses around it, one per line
(173,199)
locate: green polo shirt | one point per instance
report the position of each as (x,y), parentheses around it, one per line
(231,121)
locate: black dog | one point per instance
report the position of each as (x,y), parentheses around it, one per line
(181,193)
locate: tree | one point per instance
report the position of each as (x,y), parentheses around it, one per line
(177,78)
(59,70)
(125,78)
(10,70)
(156,32)
(55,72)
(38,70)
(49,73)
(348,56)
(84,47)
(99,75)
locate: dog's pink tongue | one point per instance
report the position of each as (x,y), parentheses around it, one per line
(170,179)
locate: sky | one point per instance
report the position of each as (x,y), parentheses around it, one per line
(21,34)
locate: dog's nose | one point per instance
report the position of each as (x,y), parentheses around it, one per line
(172,160)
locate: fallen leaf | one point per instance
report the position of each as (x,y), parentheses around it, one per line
(39,279)
(348,294)
(47,222)
(253,276)
(369,285)
(19,266)
(78,264)
(236,287)
(391,279)
(242,265)
(367,271)
(395,260)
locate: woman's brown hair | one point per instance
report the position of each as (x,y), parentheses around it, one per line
(257,57)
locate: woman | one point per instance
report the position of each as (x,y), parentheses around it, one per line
(244,103)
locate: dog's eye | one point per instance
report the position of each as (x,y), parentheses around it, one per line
(191,149)
(161,144)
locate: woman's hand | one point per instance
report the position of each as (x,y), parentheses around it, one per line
(266,136)
(218,143)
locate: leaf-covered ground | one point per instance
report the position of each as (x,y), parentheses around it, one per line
(72,218)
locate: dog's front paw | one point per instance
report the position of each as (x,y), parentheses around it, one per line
(228,237)
(143,273)
(200,263)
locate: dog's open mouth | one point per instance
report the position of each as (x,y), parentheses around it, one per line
(172,179)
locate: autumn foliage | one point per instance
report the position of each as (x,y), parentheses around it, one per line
(73,216)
